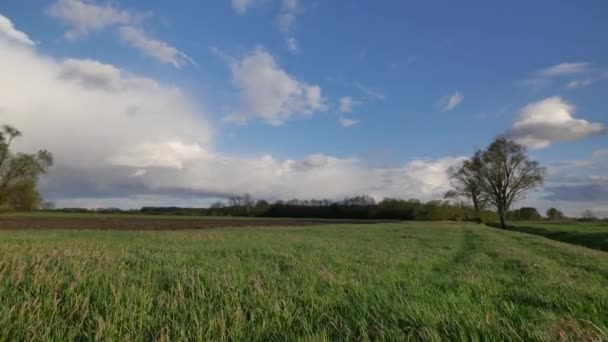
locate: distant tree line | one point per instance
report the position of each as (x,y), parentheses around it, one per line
(389,209)
(357,207)
(484,187)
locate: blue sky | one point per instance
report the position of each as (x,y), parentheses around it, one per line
(357,88)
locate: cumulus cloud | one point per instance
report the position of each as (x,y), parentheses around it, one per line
(156,49)
(346,122)
(172,154)
(551,120)
(92,74)
(270,93)
(88,112)
(450,102)
(126,140)
(8,31)
(84,17)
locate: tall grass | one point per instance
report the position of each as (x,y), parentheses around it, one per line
(395,281)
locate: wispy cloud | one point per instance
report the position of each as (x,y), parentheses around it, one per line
(154,48)
(371,93)
(564,69)
(346,122)
(579,83)
(290,9)
(545,77)
(84,17)
(451,101)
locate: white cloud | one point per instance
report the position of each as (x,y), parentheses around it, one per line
(347,103)
(170,154)
(8,31)
(546,76)
(92,74)
(450,102)
(345,122)
(564,69)
(548,121)
(125,140)
(156,49)
(371,94)
(269,92)
(84,17)
(87,112)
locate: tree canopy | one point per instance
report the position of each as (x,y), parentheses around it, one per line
(466,183)
(19,172)
(499,175)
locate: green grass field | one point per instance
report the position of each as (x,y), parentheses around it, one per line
(589,234)
(392,281)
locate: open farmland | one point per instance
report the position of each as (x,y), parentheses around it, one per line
(394,281)
(146,222)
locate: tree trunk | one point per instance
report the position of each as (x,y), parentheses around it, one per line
(503,218)
(476,207)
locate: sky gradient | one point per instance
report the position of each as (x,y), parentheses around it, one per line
(150,103)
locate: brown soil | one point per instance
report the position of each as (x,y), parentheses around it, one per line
(131,223)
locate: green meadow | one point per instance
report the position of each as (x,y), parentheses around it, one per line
(389,281)
(590,234)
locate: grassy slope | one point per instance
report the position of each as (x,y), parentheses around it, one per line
(392,281)
(589,234)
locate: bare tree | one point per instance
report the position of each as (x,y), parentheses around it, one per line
(507,174)
(466,183)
